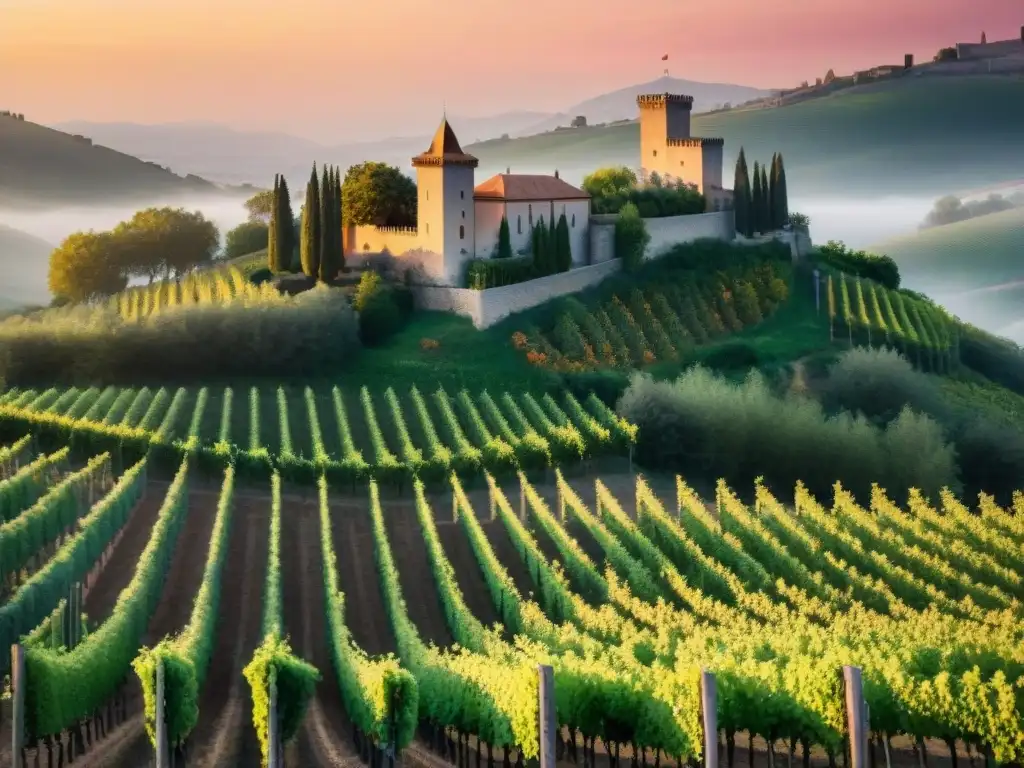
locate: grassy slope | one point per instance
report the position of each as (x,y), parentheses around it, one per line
(973,267)
(44,167)
(899,136)
(24,260)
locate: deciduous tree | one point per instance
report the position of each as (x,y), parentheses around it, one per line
(379,194)
(260,206)
(87,265)
(248,237)
(165,241)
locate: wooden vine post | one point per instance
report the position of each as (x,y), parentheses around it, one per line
(18,710)
(546,710)
(856,717)
(162,752)
(273,729)
(709,717)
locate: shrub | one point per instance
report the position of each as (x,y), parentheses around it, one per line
(879,383)
(735,355)
(701,425)
(631,238)
(492,273)
(247,237)
(881,269)
(261,275)
(991,457)
(380,313)
(185,342)
(997,359)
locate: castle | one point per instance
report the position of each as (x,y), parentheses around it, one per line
(458,220)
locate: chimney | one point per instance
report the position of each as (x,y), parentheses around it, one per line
(556,173)
(508,171)
(908,60)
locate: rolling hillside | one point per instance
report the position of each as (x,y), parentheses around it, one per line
(897,137)
(974,268)
(43,167)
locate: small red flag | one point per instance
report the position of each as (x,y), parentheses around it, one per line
(665,57)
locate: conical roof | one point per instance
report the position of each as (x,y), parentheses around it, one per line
(445,150)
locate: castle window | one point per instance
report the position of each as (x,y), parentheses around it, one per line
(428,227)
(574,221)
(655,153)
(681,163)
(529,213)
(428,194)
(519,224)
(462,232)
(462,194)
(463,214)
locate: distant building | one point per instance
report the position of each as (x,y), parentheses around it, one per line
(995,50)
(458,220)
(580,121)
(668,149)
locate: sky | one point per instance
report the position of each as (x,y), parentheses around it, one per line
(347,69)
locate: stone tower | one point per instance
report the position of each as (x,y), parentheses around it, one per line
(445,177)
(667,148)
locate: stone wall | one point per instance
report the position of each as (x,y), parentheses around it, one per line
(485,308)
(672,230)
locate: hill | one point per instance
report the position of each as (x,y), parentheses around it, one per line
(23,267)
(621,104)
(972,267)
(895,137)
(44,167)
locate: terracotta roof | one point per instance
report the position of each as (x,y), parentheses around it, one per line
(445,149)
(521,187)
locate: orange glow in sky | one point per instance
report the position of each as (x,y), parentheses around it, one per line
(347,67)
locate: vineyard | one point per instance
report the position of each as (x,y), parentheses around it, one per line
(874,315)
(372,624)
(661,321)
(303,433)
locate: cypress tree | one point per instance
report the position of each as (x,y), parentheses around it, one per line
(326,261)
(273,255)
(766,214)
(755,199)
(551,239)
(504,240)
(540,251)
(782,194)
(341,223)
(310,238)
(564,245)
(773,192)
(285,233)
(741,195)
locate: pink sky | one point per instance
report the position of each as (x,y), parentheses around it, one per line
(353,67)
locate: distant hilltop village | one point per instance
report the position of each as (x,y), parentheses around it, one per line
(459,220)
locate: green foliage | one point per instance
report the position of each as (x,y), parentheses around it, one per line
(327,263)
(563,245)
(85,266)
(540,250)
(708,428)
(743,196)
(492,273)
(309,244)
(186,658)
(247,237)
(379,194)
(95,669)
(880,269)
(614,187)
(273,665)
(380,314)
(780,193)
(504,248)
(631,238)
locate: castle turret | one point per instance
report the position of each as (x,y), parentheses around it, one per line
(445,180)
(668,149)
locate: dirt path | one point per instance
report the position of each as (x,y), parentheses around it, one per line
(224,734)
(324,738)
(418,586)
(129,745)
(365,613)
(99,601)
(467,570)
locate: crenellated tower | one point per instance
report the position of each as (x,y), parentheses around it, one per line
(668,149)
(445,178)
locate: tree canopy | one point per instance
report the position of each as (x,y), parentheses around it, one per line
(260,205)
(379,194)
(247,237)
(609,182)
(154,242)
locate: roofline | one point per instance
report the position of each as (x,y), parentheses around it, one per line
(505,199)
